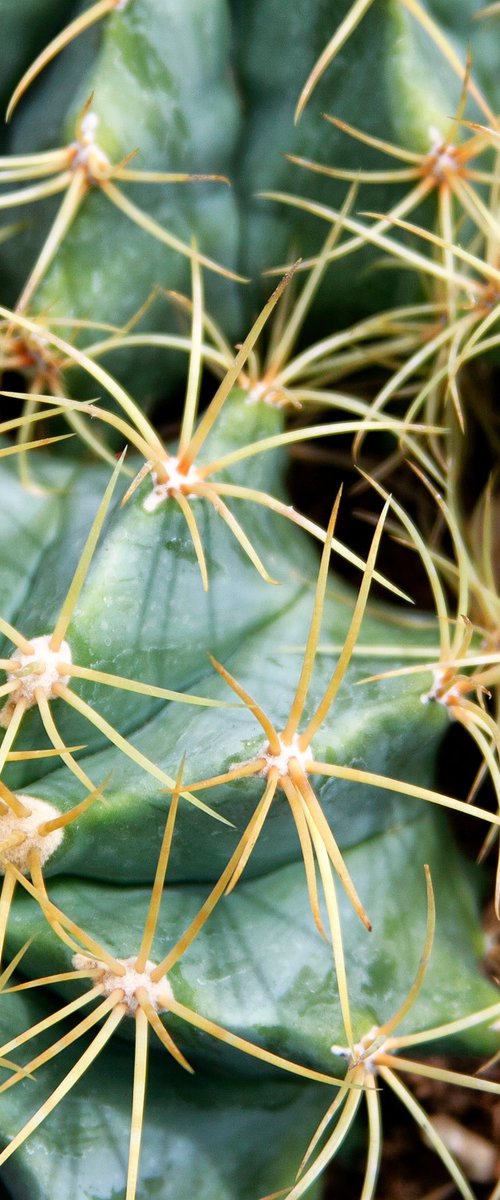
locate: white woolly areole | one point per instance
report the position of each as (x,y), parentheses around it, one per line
(43,675)
(159,994)
(439,693)
(88,127)
(264,393)
(88,152)
(37,347)
(176,481)
(360,1052)
(442,156)
(28,827)
(288,751)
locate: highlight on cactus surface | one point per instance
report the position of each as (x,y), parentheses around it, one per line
(206,725)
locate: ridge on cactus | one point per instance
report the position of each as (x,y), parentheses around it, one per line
(133,987)
(354,15)
(75,169)
(134,28)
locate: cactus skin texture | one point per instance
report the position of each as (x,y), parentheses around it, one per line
(233,908)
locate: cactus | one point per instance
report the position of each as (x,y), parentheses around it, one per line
(233,909)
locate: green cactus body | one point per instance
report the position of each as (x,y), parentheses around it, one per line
(232,908)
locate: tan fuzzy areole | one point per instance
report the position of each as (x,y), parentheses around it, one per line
(159,992)
(38,671)
(31,833)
